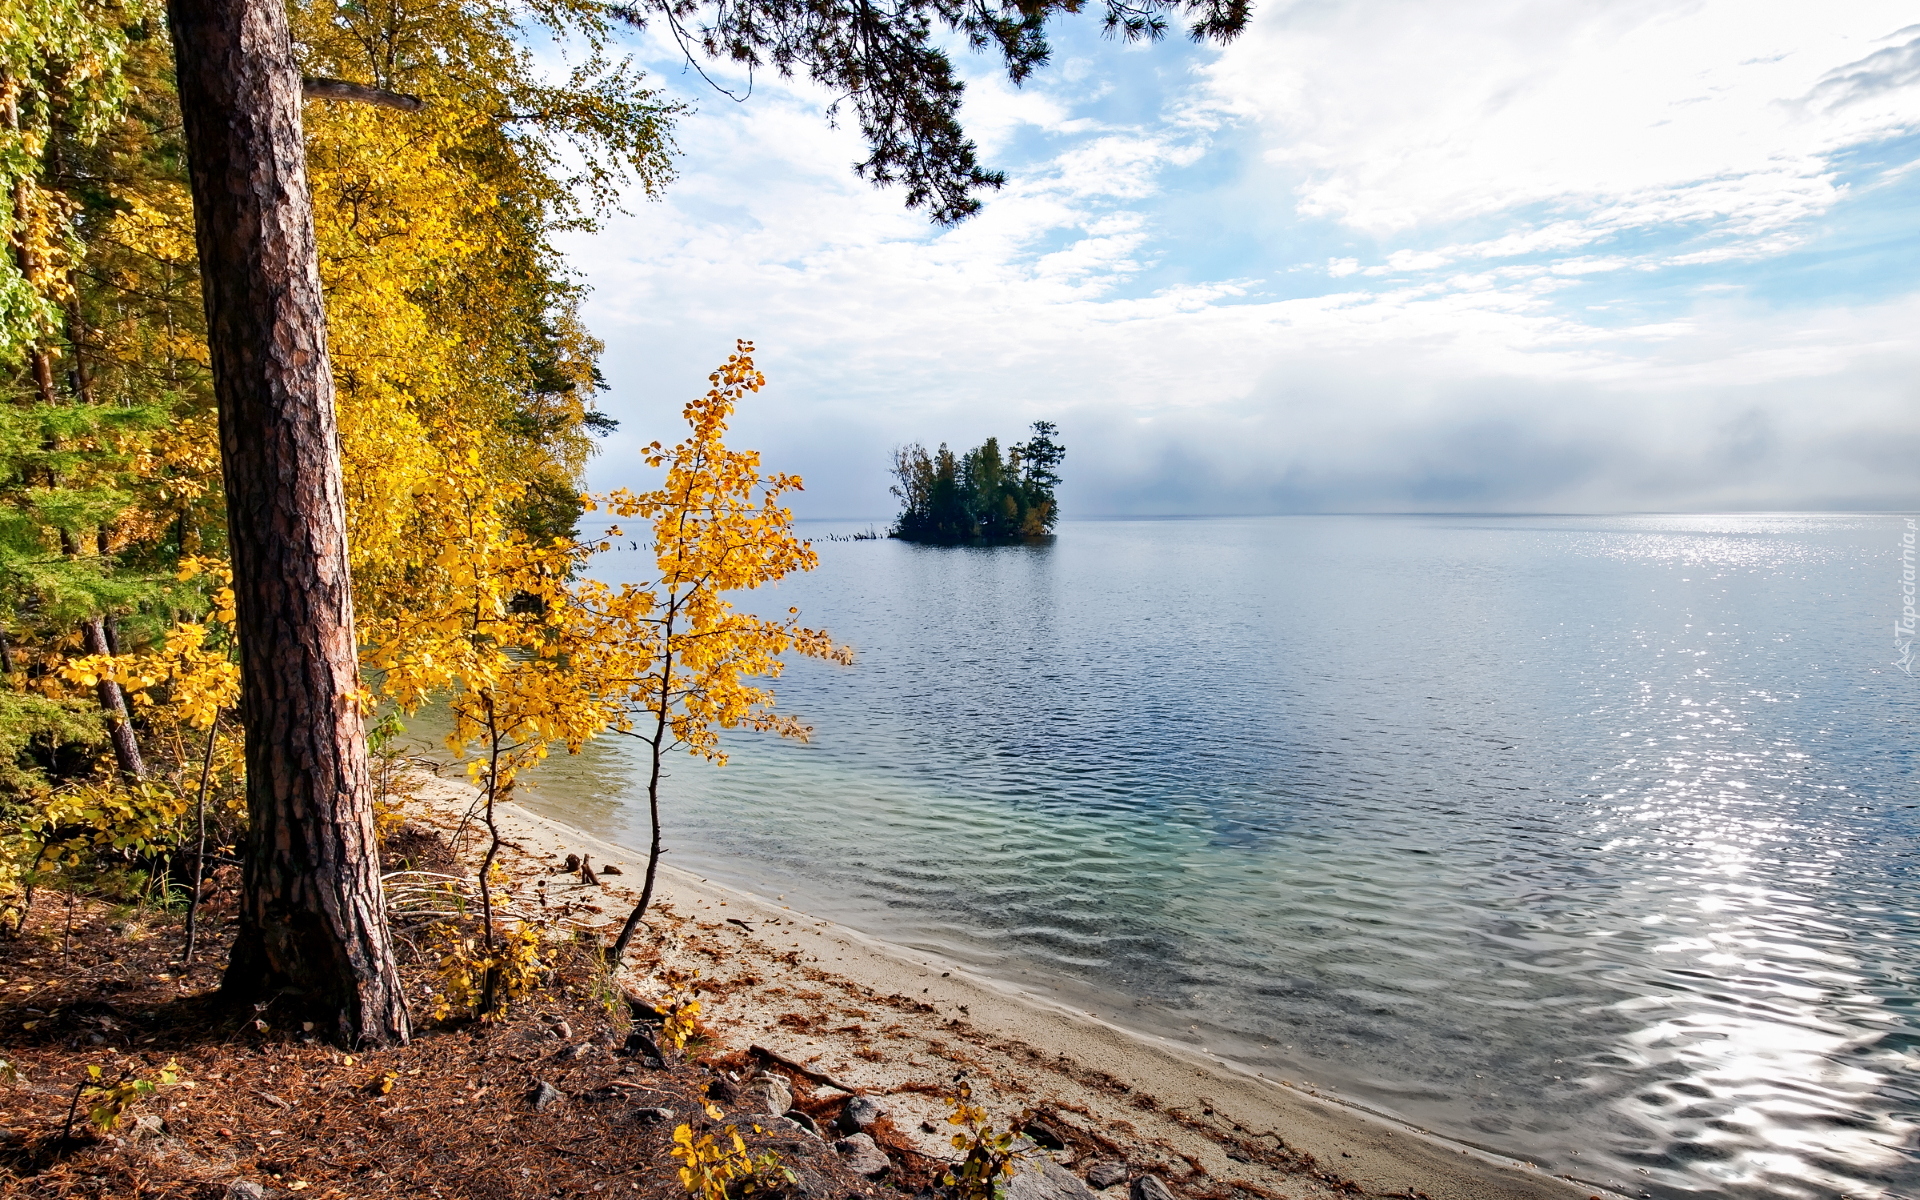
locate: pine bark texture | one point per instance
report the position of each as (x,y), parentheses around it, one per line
(312,920)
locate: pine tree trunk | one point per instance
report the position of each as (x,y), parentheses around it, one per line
(312,920)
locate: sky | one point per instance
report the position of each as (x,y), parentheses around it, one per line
(1374,256)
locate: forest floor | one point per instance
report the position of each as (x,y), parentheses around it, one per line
(559,1099)
(452,1114)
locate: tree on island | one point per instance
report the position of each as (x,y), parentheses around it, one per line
(979,497)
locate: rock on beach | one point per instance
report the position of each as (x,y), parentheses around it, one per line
(862,1156)
(1149,1187)
(769,1094)
(860,1113)
(1044,1179)
(1106,1174)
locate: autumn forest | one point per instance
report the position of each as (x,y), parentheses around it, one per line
(464,385)
(298,397)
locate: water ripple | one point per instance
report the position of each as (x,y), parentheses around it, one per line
(1587,840)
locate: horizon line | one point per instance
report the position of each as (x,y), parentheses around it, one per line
(1217,516)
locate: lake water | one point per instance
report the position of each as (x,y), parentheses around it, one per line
(1588,840)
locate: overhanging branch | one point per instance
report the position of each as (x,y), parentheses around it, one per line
(314,88)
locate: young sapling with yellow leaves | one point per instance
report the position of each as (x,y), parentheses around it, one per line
(718,527)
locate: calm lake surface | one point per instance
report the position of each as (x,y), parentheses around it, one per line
(1591,841)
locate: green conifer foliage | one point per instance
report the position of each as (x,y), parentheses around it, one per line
(979,497)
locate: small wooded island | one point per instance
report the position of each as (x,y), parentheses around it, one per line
(979,498)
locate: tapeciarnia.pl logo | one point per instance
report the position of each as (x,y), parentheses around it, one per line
(1903,628)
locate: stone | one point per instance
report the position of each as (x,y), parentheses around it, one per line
(860,1113)
(1106,1174)
(653,1116)
(1043,1135)
(147,1125)
(1149,1187)
(862,1156)
(1044,1179)
(545,1096)
(769,1093)
(243,1189)
(781,1127)
(641,1045)
(804,1120)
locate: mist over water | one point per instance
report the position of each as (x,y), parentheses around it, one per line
(1587,840)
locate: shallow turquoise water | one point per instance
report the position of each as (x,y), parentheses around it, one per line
(1587,840)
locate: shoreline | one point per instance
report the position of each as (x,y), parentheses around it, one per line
(1199,1119)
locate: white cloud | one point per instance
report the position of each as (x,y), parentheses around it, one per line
(1587,266)
(1542,142)
(1396,115)
(1887,77)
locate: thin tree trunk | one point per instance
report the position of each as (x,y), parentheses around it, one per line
(312,922)
(97,634)
(126,748)
(76,337)
(200,840)
(39,361)
(42,363)
(618,953)
(103,544)
(490,982)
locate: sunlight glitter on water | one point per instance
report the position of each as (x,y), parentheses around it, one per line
(1587,840)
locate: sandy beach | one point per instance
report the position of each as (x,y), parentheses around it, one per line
(898,1025)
